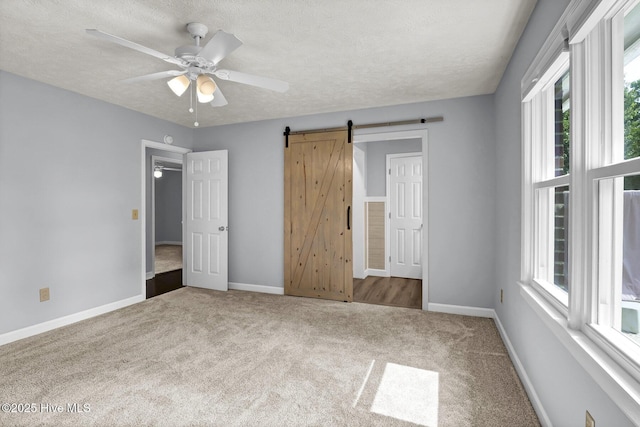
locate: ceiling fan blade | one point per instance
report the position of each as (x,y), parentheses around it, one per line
(155,76)
(135,46)
(218,99)
(220,45)
(249,79)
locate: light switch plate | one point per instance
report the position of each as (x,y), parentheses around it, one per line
(134,214)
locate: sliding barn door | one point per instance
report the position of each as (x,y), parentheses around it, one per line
(318,246)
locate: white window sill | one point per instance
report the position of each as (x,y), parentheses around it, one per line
(622,387)
(554,295)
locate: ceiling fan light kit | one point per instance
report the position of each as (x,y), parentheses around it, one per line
(203,99)
(198,64)
(179,85)
(206,85)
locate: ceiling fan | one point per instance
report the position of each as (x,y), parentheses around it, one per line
(197,63)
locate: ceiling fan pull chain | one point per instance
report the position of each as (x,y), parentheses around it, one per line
(191,100)
(196,124)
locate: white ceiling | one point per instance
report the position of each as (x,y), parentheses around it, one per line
(336,54)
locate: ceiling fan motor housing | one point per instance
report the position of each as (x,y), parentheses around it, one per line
(188,52)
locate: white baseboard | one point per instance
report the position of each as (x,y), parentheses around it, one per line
(150,275)
(376,273)
(169,242)
(531,392)
(67,320)
(462,310)
(256,288)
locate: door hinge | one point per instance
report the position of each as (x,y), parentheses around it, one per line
(389,258)
(389,215)
(389,171)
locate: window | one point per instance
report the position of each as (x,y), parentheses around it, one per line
(581,184)
(550,142)
(615,183)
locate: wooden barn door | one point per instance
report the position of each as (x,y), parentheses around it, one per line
(318,245)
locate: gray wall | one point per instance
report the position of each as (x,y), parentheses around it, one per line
(461,193)
(376,153)
(169,207)
(564,388)
(69,178)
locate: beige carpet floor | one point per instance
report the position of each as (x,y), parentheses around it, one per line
(199,357)
(168,258)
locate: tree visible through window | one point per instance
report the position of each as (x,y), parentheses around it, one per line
(632,129)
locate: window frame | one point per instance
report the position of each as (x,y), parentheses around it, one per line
(538,118)
(604,177)
(584,37)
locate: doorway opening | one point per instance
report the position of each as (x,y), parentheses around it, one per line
(161,213)
(389,207)
(166,226)
(166,214)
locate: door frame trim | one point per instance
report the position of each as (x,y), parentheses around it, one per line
(409,132)
(387,212)
(144,144)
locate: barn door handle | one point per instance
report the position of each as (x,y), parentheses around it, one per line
(348,217)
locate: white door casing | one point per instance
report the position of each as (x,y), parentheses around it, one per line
(207,241)
(405,208)
(358,212)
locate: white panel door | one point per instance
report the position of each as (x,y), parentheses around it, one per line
(206,251)
(405,224)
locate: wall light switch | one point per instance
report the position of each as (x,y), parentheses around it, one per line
(44,294)
(134,214)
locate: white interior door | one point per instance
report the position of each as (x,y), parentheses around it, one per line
(405,208)
(207,242)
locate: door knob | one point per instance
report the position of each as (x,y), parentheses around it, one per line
(221,228)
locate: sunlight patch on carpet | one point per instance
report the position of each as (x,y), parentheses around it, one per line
(366,378)
(408,394)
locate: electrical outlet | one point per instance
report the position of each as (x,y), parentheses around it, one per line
(501,296)
(590,422)
(44,294)
(134,214)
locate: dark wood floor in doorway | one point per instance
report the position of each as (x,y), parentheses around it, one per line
(164,282)
(393,291)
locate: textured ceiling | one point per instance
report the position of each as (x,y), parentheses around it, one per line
(336,54)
